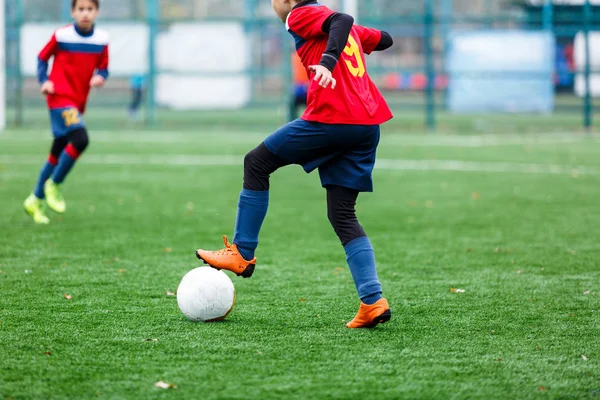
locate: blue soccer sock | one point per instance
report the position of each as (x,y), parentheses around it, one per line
(65,163)
(361,260)
(252,209)
(45,174)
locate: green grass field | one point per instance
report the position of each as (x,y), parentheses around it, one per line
(512,219)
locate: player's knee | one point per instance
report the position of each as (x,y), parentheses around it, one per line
(61,141)
(255,176)
(80,140)
(259,164)
(261,161)
(255,161)
(251,161)
(58,146)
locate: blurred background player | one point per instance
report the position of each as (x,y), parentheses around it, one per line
(300,90)
(338,134)
(80,54)
(136,84)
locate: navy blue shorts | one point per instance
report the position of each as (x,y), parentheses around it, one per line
(64,120)
(344,154)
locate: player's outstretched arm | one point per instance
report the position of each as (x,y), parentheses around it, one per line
(385,42)
(103,64)
(338,26)
(101,70)
(42,68)
(42,71)
(373,39)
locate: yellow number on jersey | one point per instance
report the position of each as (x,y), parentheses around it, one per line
(71,117)
(353,50)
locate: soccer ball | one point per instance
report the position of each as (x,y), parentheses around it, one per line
(205,294)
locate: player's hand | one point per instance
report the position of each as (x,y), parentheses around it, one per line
(97,81)
(323,76)
(47,87)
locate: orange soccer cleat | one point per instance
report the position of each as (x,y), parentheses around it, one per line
(228,258)
(369,316)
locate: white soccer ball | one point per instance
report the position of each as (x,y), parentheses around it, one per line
(205,294)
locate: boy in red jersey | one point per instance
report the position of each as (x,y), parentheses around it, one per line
(80,54)
(338,135)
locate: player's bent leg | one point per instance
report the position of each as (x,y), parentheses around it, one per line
(34,204)
(253,204)
(58,145)
(79,141)
(259,164)
(253,201)
(298,142)
(374,309)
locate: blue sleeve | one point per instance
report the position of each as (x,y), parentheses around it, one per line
(42,71)
(103,73)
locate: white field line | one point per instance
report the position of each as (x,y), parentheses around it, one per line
(146,137)
(475,166)
(135,159)
(382,164)
(485,141)
(488,140)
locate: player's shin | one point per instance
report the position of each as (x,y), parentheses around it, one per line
(253,202)
(79,142)
(45,174)
(341,211)
(361,260)
(251,212)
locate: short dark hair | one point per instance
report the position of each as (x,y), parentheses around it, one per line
(96,3)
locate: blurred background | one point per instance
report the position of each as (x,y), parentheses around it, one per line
(457,66)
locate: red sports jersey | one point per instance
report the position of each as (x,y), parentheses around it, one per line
(77,56)
(355,100)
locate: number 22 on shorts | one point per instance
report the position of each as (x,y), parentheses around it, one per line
(71,117)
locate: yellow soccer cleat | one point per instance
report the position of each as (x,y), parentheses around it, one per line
(369,316)
(35,207)
(54,197)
